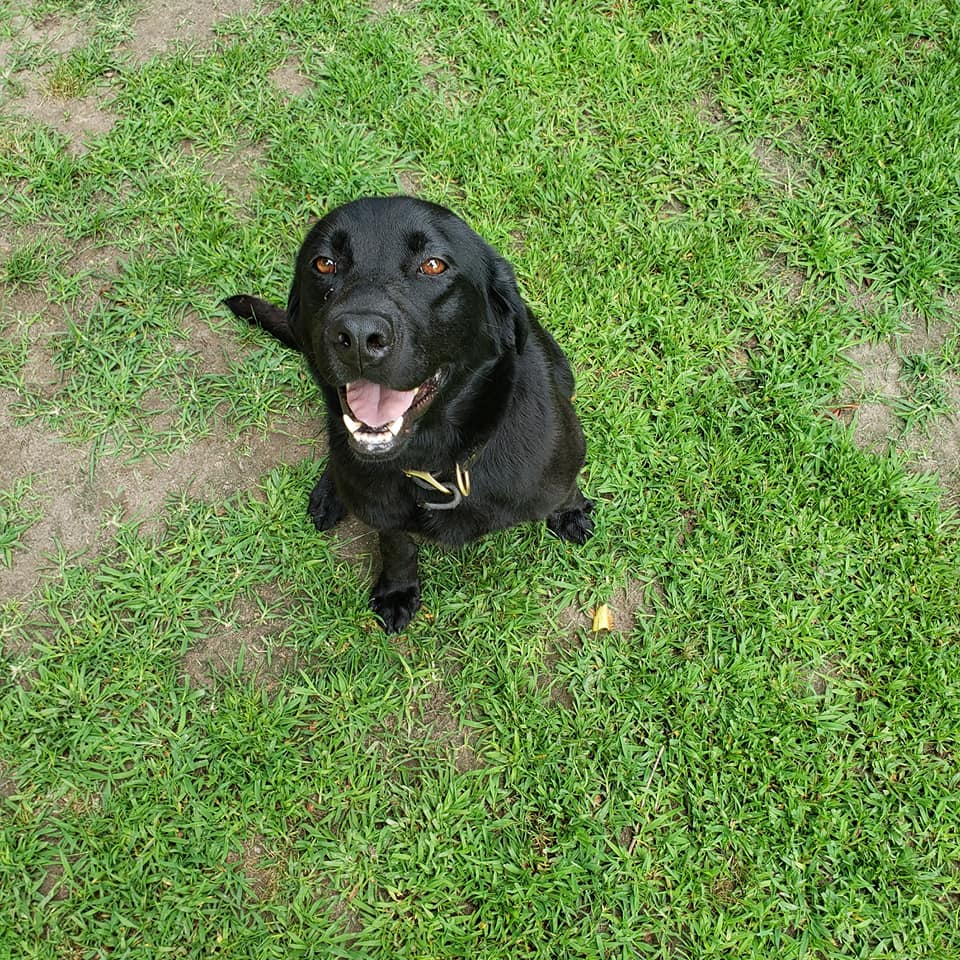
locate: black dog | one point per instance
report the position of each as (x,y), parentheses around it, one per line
(448,405)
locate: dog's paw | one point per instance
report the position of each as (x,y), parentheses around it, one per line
(395,608)
(325,508)
(574,525)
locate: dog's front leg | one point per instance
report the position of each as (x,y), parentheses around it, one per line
(396,594)
(325,507)
(571,520)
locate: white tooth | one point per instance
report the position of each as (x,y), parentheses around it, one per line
(352,425)
(395,426)
(373,441)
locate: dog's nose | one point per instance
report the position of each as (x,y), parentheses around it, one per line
(363,338)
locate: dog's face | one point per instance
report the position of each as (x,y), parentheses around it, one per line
(396,303)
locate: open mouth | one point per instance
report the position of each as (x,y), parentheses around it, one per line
(376,417)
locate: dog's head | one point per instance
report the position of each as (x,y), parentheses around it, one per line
(396,302)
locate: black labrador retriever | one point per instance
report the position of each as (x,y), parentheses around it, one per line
(448,405)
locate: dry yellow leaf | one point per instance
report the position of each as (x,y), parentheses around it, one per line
(602,618)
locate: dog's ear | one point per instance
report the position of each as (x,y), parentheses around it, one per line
(509,314)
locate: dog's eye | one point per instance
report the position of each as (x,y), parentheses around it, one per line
(433,266)
(325,265)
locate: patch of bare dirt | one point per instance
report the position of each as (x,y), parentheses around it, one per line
(250,632)
(73,509)
(708,110)
(234,171)
(78,118)
(382,8)
(877,385)
(938,451)
(627,604)
(163,26)
(289,78)
(213,354)
(436,719)
(821,678)
(258,865)
(778,167)
(355,541)
(791,280)
(571,626)
(430,67)
(42,322)
(52,36)
(410,183)
(873,387)
(923,337)
(56,34)
(8,786)
(29,309)
(214,468)
(81,502)
(670,209)
(863,299)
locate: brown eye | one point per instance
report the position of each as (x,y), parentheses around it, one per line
(325,265)
(433,266)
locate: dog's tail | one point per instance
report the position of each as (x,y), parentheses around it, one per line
(264,315)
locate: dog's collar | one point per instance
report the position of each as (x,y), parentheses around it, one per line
(458,490)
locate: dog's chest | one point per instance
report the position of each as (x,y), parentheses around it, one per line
(400,504)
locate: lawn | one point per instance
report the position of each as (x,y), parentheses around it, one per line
(742,222)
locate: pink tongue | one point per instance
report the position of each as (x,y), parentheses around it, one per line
(375,404)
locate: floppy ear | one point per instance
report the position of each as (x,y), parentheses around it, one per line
(510,316)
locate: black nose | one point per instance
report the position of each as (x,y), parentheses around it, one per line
(364,338)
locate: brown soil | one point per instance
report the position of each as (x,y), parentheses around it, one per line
(874,389)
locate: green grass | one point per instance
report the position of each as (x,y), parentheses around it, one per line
(927,397)
(18,513)
(707,203)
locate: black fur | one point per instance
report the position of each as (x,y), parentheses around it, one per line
(503,408)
